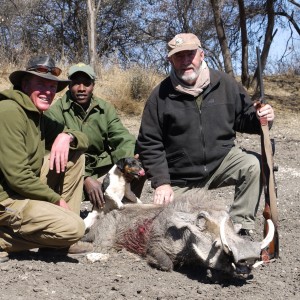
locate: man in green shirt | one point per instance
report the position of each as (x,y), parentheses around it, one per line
(109,140)
(39,197)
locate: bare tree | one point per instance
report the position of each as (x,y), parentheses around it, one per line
(289,16)
(92,13)
(268,38)
(245,77)
(295,3)
(222,36)
(130,32)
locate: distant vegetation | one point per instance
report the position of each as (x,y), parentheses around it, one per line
(128,89)
(135,32)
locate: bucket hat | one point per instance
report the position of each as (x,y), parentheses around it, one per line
(42,66)
(182,42)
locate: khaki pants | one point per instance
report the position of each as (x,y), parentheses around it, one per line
(241,169)
(27,223)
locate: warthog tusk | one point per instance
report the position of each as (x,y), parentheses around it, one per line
(223,237)
(257,264)
(234,266)
(268,239)
(199,253)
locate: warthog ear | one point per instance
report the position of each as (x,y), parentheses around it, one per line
(206,221)
(184,220)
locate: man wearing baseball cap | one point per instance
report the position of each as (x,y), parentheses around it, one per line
(109,140)
(39,202)
(187,134)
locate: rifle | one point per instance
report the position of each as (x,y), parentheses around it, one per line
(268,169)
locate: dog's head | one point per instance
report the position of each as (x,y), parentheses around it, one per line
(131,165)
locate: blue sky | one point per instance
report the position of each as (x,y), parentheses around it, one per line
(279,43)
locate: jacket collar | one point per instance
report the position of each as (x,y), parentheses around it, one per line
(68,102)
(21,98)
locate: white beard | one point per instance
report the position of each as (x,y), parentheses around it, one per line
(189,78)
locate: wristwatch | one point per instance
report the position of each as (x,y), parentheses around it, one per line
(72,141)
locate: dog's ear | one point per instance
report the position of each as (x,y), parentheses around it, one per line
(120,163)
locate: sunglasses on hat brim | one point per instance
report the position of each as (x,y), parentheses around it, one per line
(44,69)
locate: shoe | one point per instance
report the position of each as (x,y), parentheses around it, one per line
(246,234)
(77,249)
(3,257)
(81,248)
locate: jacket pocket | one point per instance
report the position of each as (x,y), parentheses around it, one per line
(11,213)
(175,156)
(178,161)
(228,146)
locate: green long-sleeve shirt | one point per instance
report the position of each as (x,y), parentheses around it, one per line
(109,140)
(24,132)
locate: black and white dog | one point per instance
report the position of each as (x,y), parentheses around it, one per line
(115,187)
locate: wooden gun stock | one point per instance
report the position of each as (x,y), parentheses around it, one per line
(268,178)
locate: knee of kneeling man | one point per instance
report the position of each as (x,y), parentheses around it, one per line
(80,229)
(254,166)
(75,230)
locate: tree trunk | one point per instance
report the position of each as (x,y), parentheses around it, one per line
(62,36)
(244,37)
(267,42)
(91,25)
(222,37)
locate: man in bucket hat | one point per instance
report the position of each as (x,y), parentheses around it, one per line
(187,135)
(39,202)
(109,140)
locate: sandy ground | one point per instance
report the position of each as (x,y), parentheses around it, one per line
(125,276)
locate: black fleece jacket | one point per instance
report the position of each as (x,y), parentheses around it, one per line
(179,143)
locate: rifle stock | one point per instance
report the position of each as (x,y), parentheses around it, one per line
(268,178)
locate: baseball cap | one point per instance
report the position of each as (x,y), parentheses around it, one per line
(183,41)
(81,67)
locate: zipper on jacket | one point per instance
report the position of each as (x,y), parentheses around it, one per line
(202,137)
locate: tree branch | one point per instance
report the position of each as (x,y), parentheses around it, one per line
(294,2)
(290,18)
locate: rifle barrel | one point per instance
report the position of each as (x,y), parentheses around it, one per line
(260,80)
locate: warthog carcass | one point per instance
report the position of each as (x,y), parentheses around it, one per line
(189,230)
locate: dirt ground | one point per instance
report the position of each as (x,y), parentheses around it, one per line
(126,276)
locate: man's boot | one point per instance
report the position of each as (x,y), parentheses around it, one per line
(3,256)
(78,249)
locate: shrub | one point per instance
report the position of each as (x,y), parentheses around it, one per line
(142,82)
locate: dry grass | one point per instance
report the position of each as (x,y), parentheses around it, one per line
(129,89)
(283,92)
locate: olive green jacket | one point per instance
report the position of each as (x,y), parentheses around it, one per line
(25,133)
(109,140)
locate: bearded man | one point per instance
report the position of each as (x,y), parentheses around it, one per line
(188,128)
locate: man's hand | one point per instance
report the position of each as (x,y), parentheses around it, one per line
(60,152)
(264,111)
(93,189)
(163,194)
(62,203)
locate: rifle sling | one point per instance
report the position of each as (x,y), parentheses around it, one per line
(267,150)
